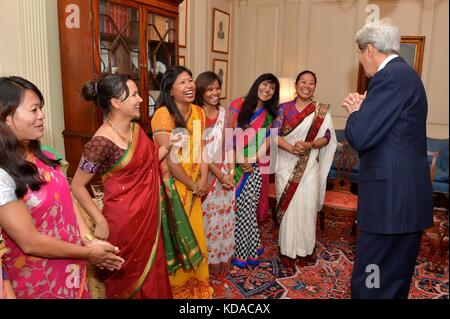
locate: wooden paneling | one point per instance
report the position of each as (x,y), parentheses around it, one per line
(80,62)
(77,67)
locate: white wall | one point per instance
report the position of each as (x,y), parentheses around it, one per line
(198,51)
(279,36)
(287,36)
(427,18)
(29,47)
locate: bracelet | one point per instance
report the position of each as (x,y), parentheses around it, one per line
(313,145)
(231,172)
(89,237)
(292,148)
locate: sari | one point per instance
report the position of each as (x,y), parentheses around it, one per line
(218,205)
(6,291)
(132,208)
(52,210)
(249,186)
(186,248)
(300,180)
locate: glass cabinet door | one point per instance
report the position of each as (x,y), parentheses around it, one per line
(161,52)
(119,40)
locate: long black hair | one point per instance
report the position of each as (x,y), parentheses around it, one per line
(103,90)
(166,99)
(13,152)
(202,82)
(251,100)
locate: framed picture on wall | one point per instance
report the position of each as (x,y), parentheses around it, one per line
(411,49)
(182,23)
(220,67)
(181,60)
(221,31)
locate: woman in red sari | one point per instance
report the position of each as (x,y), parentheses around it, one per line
(131,217)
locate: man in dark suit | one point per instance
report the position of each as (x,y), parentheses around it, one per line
(387,126)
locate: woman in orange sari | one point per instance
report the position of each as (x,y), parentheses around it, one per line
(185,176)
(132,214)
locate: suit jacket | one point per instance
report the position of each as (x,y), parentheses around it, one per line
(389,132)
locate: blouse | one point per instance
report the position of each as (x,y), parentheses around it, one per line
(99,155)
(7,188)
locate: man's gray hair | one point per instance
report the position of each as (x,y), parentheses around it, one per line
(383,35)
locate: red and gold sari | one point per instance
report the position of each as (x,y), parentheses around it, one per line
(301,179)
(132,207)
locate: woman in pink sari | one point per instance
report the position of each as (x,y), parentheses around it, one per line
(41,227)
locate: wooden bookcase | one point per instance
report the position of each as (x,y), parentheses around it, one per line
(136,37)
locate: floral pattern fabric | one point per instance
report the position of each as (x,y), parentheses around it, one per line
(218,208)
(99,154)
(52,210)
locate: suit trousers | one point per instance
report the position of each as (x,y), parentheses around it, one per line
(384,265)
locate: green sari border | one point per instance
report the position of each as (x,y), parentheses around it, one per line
(126,157)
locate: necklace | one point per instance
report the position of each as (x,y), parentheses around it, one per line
(211,111)
(187,113)
(123,138)
(300,107)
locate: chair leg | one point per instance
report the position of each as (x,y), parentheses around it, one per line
(322,220)
(353,231)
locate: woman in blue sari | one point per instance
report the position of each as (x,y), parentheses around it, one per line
(253,118)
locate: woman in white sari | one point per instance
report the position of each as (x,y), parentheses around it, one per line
(307,142)
(218,206)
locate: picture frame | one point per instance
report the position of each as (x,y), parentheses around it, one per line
(182,23)
(181,60)
(220,67)
(411,49)
(220,31)
(151,105)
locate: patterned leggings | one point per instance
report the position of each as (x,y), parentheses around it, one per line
(247,232)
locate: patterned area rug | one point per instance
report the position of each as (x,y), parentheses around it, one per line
(329,277)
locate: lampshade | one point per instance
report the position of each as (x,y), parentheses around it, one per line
(287,89)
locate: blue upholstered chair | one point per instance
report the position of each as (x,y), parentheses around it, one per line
(438,160)
(438,233)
